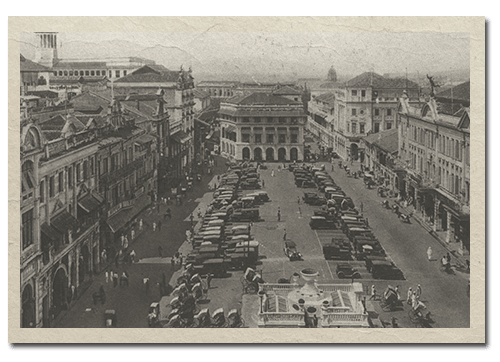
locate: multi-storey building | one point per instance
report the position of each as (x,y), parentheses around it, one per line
(434,150)
(321,111)
(367,104)
(262,126)
(218,89)
(178,94)
(73,72)
(83,173)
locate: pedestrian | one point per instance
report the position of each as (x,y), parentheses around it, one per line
(272,173)
(125,243)
(199,213)
(159,225)
(332,167)
(373,293)
(209,279)
(172,262)
(140,225)
(191,217)
(284,234)
(429,253)
(279,215)
(146,284)
(414,300)
(115,280)
(419,291)
(397,293)
(132,256)
(154,226)
(263,184)
(107,276)
(169,213)
(132,234)
(104,256)
(448,257)
(361,206)
(408,296)
(160,251)
(122,240)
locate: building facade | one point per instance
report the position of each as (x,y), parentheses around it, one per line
(365,104)
(262,127)
(321,113)
(434,148)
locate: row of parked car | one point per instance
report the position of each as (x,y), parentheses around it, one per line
(224,240)
(349,236)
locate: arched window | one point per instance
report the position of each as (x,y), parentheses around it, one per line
(28,180)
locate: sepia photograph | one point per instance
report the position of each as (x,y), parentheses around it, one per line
(250,179)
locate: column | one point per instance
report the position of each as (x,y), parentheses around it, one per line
(437,219)
(450,233)
(77,267)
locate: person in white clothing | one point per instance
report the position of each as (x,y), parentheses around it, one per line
(429,253)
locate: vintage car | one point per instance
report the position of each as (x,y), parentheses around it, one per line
(308,185)
(246,215)
(290,250)
(371,260)
(381,270)
(321,222)
(344,270)
(337,249)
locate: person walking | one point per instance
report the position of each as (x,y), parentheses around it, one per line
(169,213)
(419,291)
(448,257)
(279,215)
(209,280)
(115,279)
(140,225)
(146,284)
(125,243)
(429,253)
(132,256)
(373,293)
(122,240)
(154,226)
(160,251)
(263,184)
(132,234)
(361,206)
(284,234)
(298,200)
(107,276)
(408,296)
(272,173)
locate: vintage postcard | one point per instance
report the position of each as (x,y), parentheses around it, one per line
(246,177)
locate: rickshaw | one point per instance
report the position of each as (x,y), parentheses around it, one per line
(390,300)
(153,314)
(291,252)
(234,319)
(250,281)
(110,318)
(418,318)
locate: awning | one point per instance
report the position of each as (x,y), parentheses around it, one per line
(64,222)
(48,230)
(145,138)
(181,137)
(89,203)
(117,221)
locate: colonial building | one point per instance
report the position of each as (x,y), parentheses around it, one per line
(218,89)
(381,151)
(321,111)
(434,149)
(86,172)
(367,103)
(178,89)
(76,72)
(34,76)
(262,126)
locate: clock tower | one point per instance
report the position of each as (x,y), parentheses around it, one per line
(46,49)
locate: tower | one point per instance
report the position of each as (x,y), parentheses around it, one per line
(46,49)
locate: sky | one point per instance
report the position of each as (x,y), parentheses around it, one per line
(306,53)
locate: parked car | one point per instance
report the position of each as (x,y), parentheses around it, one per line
(344,270)
(321,222)
(388,272)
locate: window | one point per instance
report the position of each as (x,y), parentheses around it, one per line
(130,154)
(52,186)
(362,128)
(354,93)
(246,120)
(28,181)
(92,73)
(377,112)
(60,73)
(354,128)
(124,73)
(87,73)
(78,170)
(82,73)
(245,138)
(42,191)
(363,93)
(377,127)
(353,111)
(269,120)
(282,138)
(98,72)
(125,158)
(110,73)
(70,177)
(270,138)
(61,182)
(103,72)
(27,228)
(294,138)
(70,73)
(55,74)
(389,111)
(117,74)
(92,166)
(258,138)
(85,169)
(257,119)
(388,126)
(105,165)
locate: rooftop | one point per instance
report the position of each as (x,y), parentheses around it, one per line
(287,90)
(460,92)
(264,99)
(386,140)
(30,66)
(151,74)
(325,97)
(371,79)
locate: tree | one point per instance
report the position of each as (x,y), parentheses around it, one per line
(332,75)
